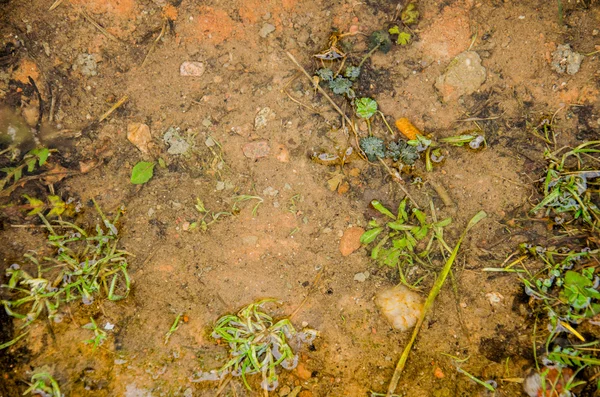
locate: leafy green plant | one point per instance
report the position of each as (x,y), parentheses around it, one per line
(342,86)
(373,147)
(33,159)
(565,294)
(43,384)
(174,327)
(403,37)
(410,14)
(366,108)
(55,206)
(402,151)
(352,72)
(208,217)
(142,172)
(99,334)
(325,74)
(401,236)
(83,266)
(566,186)
(245,197)
(257,345)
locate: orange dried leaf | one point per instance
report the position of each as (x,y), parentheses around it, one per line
(407,128)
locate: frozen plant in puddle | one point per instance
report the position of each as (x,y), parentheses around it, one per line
(257,344)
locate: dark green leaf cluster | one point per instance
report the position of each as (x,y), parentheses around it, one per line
(325,74)
(342,86)
(401,151)
(381,39)
(373,147)
(352,72)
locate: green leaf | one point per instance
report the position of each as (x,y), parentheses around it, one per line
(36,204)
(142,172)
(394,30)
(379,207)
(370,235)
(41,153)
(161,163)
(17,173)
(58,206)
(340,85)
(366,108)
(352,72)
(30,164)
(410,14)
(403,38)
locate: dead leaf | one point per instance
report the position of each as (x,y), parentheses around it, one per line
(335,181)
(56,174)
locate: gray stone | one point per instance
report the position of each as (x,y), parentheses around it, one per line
(86,64)
(177,145)
(566,60)
(463,76)
(266,30)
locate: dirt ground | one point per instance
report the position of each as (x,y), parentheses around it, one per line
(290,249)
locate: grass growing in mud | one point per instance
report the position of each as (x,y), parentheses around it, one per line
(257,345)
(83,266)
(562,277)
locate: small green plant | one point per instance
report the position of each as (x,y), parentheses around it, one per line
(373,147)
(565,294)
(403,37)
(54,207)
(342,86)
(366,108)
(99,334)
(174,327)
(33,159)
(257,345)
(142,172)
(410,14)
(401,151)
(43,384)
(208,217)
(352,72)
(566,186)
(245,197)
(84,265)
(402,236)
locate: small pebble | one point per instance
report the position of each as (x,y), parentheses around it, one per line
(266,30)
(350,241)
(257,149)
(191,69)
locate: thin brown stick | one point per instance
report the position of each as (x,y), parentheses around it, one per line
(97,25)
(55,4)
(310,292)
(396,177)
(155,42)
(479,118)
(113,108)
(335,106)
(321,90)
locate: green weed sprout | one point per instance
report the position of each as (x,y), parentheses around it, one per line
(245,197)
(566,187)
(43,384)
(84,266)
(99,335)
(257,344)
(402,234)
(34,158)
